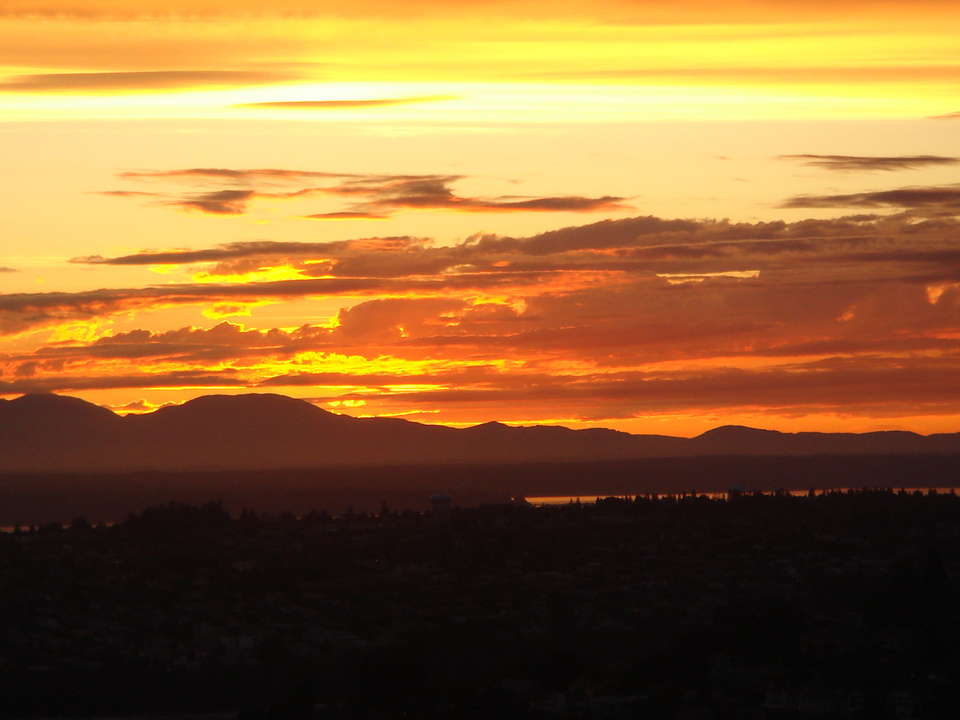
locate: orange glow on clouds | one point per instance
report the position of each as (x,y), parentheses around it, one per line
(549,183)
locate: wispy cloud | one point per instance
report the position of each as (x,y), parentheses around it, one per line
(772,74)
(139,80)
(943,197)
(254,175)
(213,380)
(253,249)
(366,196)
(347,104)
(219,202)
(347,215)
(868,163)
(8,270)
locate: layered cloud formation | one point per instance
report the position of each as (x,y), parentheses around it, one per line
(615,319)
(444,257)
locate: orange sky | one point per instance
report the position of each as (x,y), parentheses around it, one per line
(649,216)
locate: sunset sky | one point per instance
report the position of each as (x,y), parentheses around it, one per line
(653,216)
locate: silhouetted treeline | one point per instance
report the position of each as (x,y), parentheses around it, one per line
(41,498)
(832,605)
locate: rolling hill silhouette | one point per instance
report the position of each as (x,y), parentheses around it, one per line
(52,433)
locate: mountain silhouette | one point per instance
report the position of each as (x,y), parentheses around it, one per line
(53,433)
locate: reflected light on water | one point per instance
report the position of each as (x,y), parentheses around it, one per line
(592,499)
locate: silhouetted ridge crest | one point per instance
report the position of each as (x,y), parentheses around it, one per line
(738,431)
(43,433)
(48,405)
(488,427)
(217,405)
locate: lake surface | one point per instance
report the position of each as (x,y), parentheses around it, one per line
(590,499)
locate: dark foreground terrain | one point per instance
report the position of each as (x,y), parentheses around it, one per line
(837,605)
(34,498)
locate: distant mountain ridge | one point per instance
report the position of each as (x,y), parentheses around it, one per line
(54,433)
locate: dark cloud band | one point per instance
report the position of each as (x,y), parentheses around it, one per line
(861,162)
(947,198)
(368,196)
